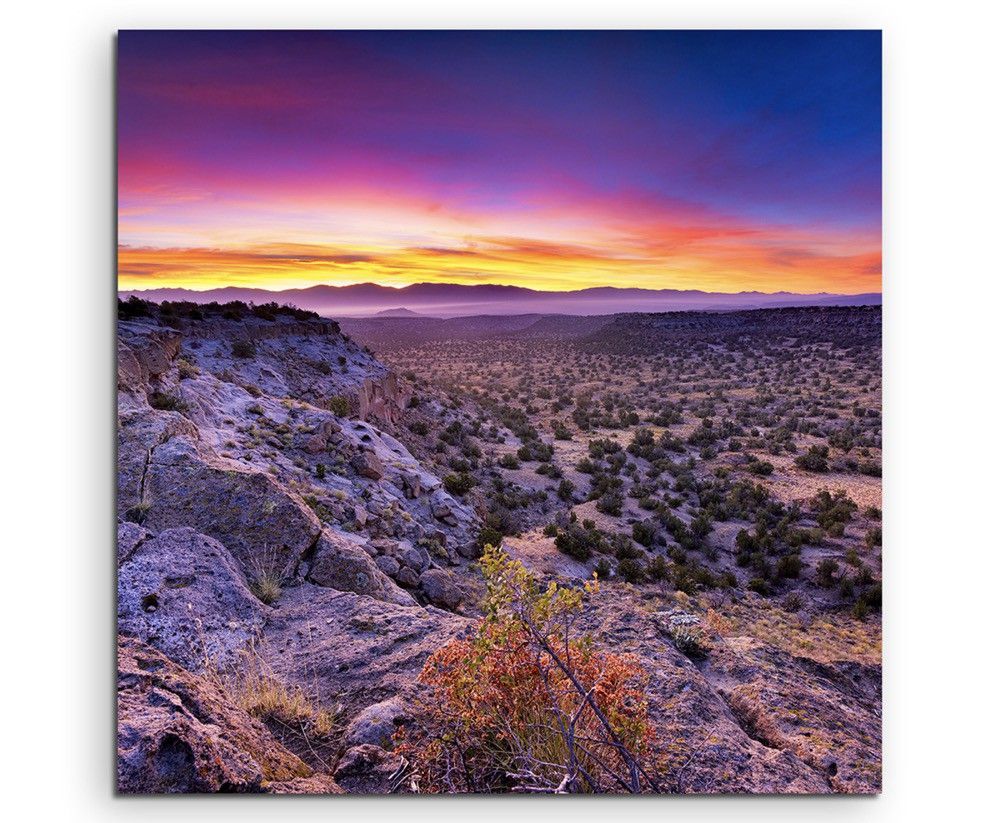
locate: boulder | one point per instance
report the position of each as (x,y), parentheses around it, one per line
(366,464)
(360,515)
(368,769)
(440,589)
(183,593)
(376,724)
(145,351)
(407,577)
(388,565)
(340,564)
(360,650)
(262,524)
(415,557)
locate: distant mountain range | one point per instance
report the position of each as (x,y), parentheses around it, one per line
(456,300)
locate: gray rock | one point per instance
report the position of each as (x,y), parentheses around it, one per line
(258,520)
(407,577)
(388,565)
(439,587)
(368,465)
(179,733)
(416,557)
(360,515)
(183,593)
(130,536)
(376,724)
(340,564)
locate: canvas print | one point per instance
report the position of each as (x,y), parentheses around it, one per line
(499,412)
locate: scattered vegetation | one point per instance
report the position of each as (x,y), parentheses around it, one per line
(528,705)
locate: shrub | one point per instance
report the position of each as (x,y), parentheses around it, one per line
(869,600)
(186,369)
(789,566)
(760,585)
(527,706)
(825,572)
(560,431)
(265,577)
(761,468)
(488,536)
(580,542)
(244,349)
(167,402)
(510,461)
(459,484)
(643,533)
(138,513)
(610,503)
(814,460)
(133,307)
(793,602)
(260,693)
(657,568)
(339,405)
(632,570)
(603,569)
(565,490)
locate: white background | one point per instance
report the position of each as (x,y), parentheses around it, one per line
(941,494)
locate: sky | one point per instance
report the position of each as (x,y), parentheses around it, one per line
(722,161)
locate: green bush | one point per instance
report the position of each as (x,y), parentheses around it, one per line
(632,570)
(339,405)
(825,572)
(459,484)
(789,566)
(658,568)
(244,349)
(167,402)
(814,460)
(644,533)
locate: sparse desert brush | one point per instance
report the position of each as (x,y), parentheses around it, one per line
(167,402)
(340,406)
(527,705)
(459,484)
(244,349)
(260,692)
(138,513)
(265,578)
(186,369)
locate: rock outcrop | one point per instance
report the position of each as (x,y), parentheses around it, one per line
(340,564)
(383,400)
(179,733)
(183,593)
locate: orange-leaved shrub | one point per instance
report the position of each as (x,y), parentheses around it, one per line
(526,705)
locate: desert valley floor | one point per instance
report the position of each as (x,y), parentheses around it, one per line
(302,504)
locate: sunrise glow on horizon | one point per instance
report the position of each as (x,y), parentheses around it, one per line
(721,161)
